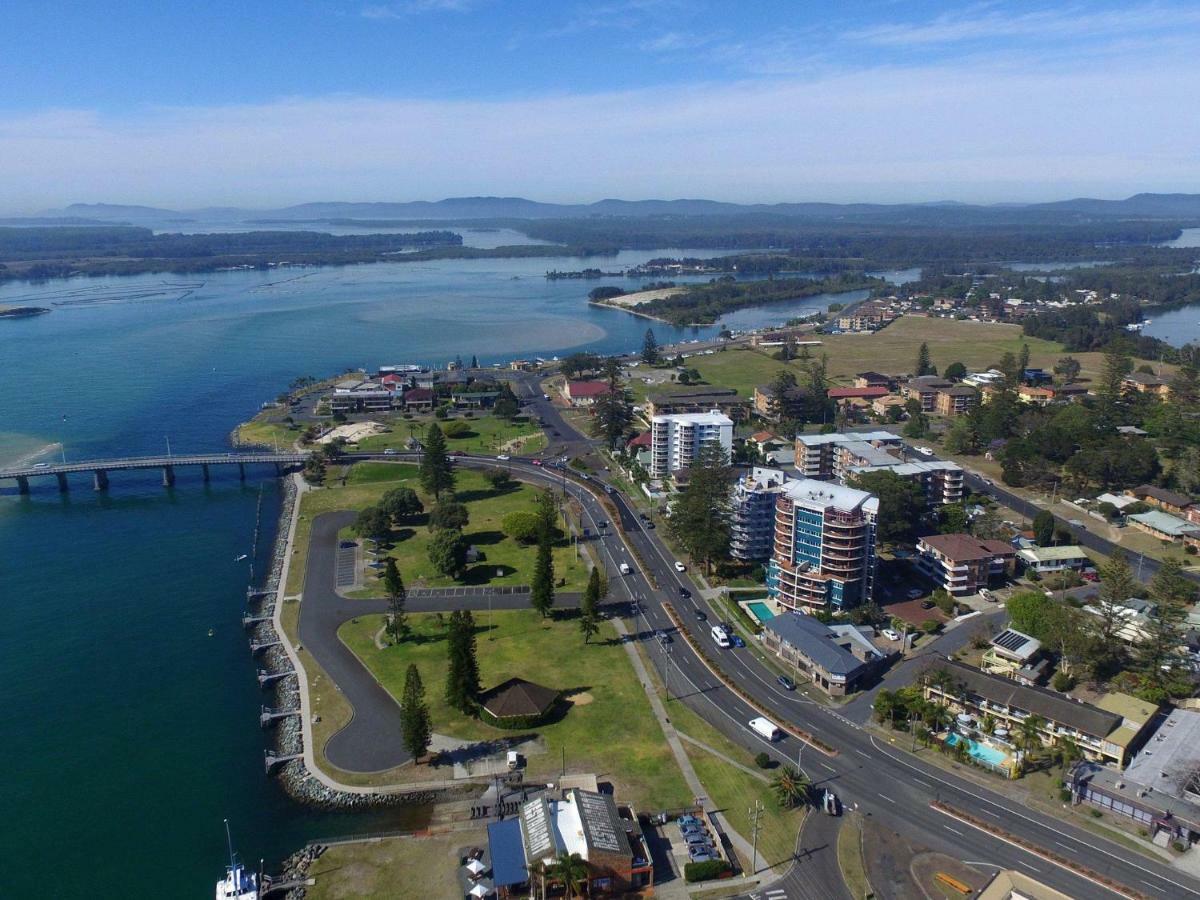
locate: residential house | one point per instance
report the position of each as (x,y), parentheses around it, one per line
(1044,560)
(1035,396)
(1166,527)
(962,563)
(1016,655)
(1067,392)
(418,398)
(1144,383)
(1167,501)
(881,405)
(872,380)
(1106,731)
(584,393)
(838,659)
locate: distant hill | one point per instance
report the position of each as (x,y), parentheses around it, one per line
(1140,206)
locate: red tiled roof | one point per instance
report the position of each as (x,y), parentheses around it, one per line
(761,437)
(587,388)
(642,440)
(842,393)
(418,394)
(965,547)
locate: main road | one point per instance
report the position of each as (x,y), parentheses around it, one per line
(867,772)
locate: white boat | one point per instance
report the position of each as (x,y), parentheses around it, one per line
(240,558)
(238,883)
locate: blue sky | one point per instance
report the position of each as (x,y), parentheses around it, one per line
(266,103)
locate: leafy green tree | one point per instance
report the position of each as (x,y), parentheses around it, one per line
(1032,613)
(449,514)
(462,675)
(918,423)
(448,551)
(373,522)
(952,519)
(901,504)
(397,594)
(1117,585)
(546,509)
(1023,361)
(700,515)
(521,525)
(1043,528)
(791,787)
(541,589)
(314,468)
(1110,388)
(571,870)
(650,353)
(780,403)
(401,503)
(956,371)
(1067,369)
(962,437)
(924,363)
(437,474)
(589,616)
(414,714)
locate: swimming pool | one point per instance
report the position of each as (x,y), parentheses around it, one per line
(989,755)
(760,610)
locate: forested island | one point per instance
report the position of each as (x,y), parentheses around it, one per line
(703,304)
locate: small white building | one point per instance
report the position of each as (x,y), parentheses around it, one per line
(1053,559)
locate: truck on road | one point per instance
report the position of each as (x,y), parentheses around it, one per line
(766,728)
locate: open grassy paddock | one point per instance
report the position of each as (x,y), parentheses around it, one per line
(608,729)
(485,434)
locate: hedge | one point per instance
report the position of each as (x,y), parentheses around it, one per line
(703,871)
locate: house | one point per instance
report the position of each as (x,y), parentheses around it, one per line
(1016,655)
(1168,501)
(639,442)
(872,380)
(925,389)
(961,563)
(765,440)
(1144,383)
(419,398)
(881,405)
(839,659)
(1053,559)
(1035,396)
(1106,731)
(590,824)
(584,393)
(1166,527)
(473,398)
(1067,392)
(955,400)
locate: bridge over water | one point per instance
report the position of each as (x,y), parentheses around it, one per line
(100,468)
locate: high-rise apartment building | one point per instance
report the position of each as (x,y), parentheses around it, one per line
(675,440)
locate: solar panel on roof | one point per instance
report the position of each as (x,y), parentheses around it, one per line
(1010,640)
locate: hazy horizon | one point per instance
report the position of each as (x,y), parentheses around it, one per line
(571,102)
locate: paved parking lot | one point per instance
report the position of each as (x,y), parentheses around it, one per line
(347,565)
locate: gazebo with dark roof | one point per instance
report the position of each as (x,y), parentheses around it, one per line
(518,699)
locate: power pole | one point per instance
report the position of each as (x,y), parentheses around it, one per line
(755,814)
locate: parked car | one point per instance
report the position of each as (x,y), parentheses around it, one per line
(680,567)
(643,517)
(736,640)
(928,604)
(689,820)
(504,456)
(914,593)
(389,452)
(924,451)
(698,854)
(786,683)
(697,840)
(891,634)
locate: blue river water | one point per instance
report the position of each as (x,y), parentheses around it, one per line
(131,732)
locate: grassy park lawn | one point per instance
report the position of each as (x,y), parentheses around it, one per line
(486,434)
(367,482)
(408,868)
(610,730)
(266,430)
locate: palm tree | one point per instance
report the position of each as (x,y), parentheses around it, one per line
(1030,733)
(572,871)
(791,787)
(541,871)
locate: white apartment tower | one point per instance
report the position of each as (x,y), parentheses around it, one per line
(675,440)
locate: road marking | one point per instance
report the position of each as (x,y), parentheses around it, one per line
(924,783)
(1035,868)
(829,768)
(887,798)
(861,753)
(955,830)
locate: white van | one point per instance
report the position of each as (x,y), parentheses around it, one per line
(624,567)
(720,636)
(766,728)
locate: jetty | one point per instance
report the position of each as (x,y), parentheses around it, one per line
(269,717)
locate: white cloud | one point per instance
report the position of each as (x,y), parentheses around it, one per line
(981,132)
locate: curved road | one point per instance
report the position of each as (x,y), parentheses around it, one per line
(895,788)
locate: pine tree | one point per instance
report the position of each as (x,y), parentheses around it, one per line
(1110,392)
(650,352)
(924,363)
(437,476)
(612,412)
(414,714)
(588,616)
(474,362)
(780,404)
(393,586)
(1171,593)
(541,592)
(700,516)
(462,675)
(1117,585)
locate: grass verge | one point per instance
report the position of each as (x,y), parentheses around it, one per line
(850,858)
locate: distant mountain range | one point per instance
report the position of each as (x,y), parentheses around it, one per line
(1139,206)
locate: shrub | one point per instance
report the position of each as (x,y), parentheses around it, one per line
(1096,814)
(456,429)
(1063,681)
(762,760)
(1065,795)
(703,871)
(520,525)
(931,626)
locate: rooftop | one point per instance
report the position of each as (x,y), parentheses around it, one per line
(708,418)
(824,495)
(817,641)
(966,547)
(1083,717)
(1165,523)
(1162,495)
(517,697)
(816,440)
(1171,756)
(837,393)
(1050,554)
(1016,644)
(587,388)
